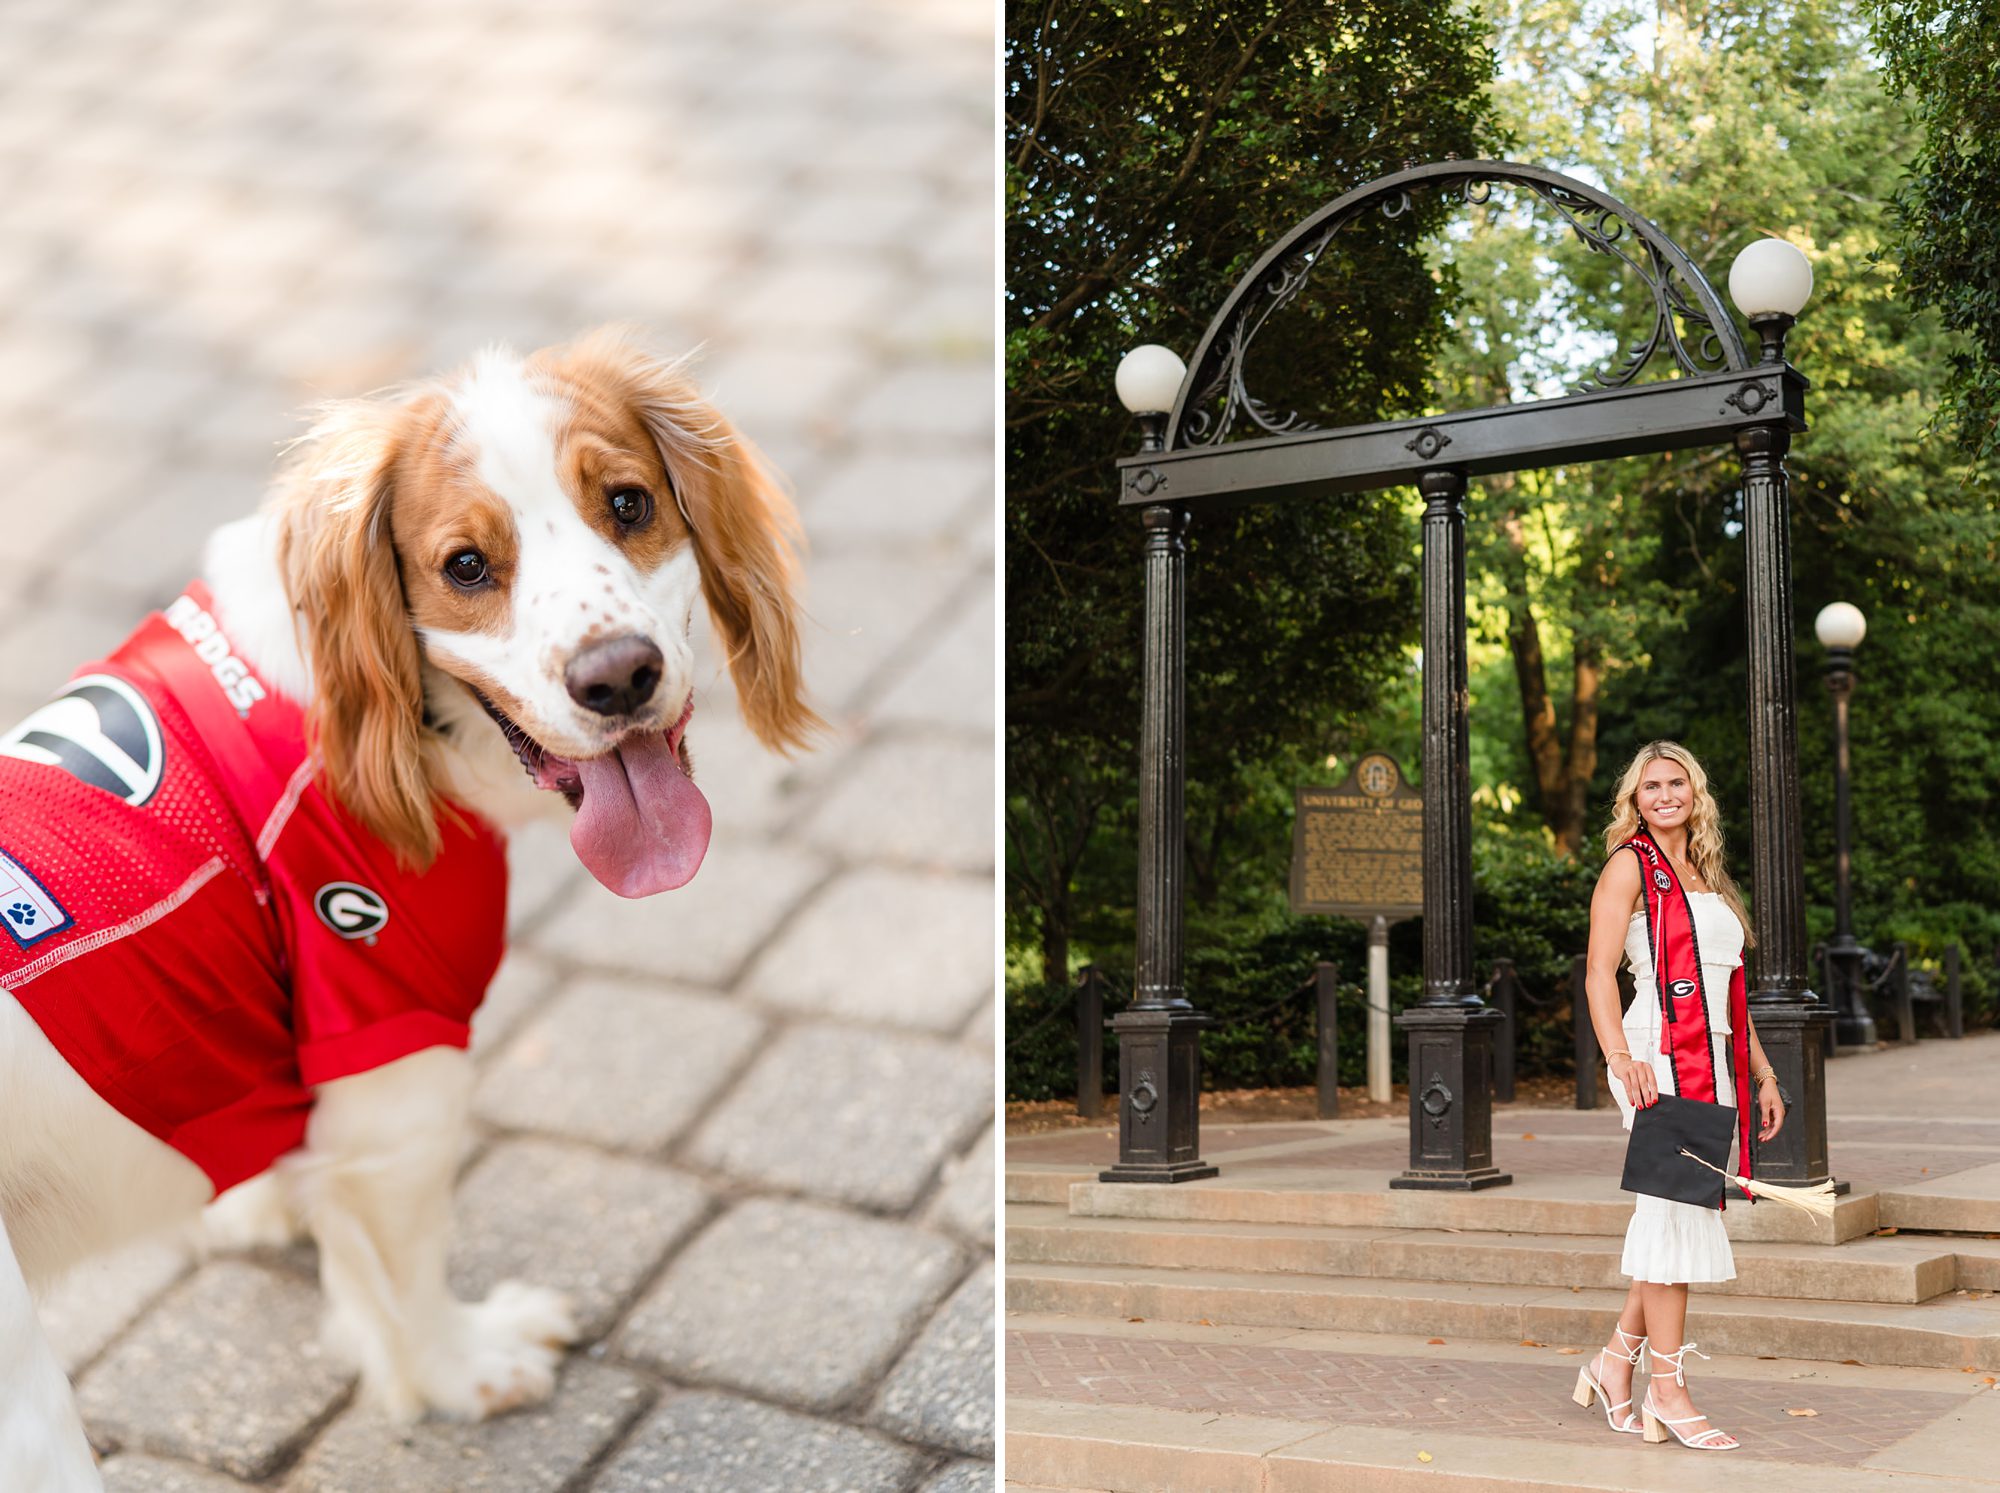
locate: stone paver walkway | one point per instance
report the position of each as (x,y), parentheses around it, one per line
(1096,1403)
(747,1125)
(1476,1397)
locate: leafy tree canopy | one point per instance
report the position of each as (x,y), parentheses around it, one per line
(1154,149)
(1943,56)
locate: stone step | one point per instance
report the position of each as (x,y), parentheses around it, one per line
(1903,1269)
(1968,1201)
(1543,1205)
(1948,1332)
(1027,1185)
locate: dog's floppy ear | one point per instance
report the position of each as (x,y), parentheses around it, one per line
(339,563)
(746,540)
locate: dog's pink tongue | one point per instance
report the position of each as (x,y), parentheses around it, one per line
(643,826)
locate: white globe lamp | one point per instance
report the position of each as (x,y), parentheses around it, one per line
(1149,379)
(1840,625)
(1771,281)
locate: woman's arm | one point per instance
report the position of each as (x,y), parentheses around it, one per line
(1611,908)
(1770,1107)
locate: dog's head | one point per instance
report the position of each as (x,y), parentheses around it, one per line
(538,530)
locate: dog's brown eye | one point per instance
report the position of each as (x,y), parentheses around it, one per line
(631,506)
(466,568)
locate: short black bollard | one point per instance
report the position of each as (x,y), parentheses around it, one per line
(1954,994)
(1586,1035)
(1326,989)
(1906,1010)
(1501,996)
(1090,1043)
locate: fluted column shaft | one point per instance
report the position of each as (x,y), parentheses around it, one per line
(1159,978)
(1777,850)
(1448,975)
(1789,1018)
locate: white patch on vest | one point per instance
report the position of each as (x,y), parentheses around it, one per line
(28,910)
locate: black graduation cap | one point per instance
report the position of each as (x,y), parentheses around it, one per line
(1653,1161)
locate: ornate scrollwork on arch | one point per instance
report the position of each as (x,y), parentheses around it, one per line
(1689,319)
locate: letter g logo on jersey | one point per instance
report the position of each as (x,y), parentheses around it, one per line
(351,911)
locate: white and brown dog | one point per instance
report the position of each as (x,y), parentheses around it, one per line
(250,877)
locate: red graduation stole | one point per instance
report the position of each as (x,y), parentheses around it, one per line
(1686,1036)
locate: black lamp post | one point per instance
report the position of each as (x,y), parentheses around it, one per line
(1159,1046)
(1770,281)
(1841,628)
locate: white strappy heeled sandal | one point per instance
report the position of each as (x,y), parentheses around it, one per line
(1657,1425)
(1587,1385)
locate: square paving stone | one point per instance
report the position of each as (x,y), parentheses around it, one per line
(920,800)
(900,947)
(859,1117)
(227,1370)
(616,1062)
(965,1197)
(705,1443)
(890,496)
(962,1477)
(792,1301)
(934,401)
(703,933)
(143,1474)
(521,985)
(951,682)
(866,605)
(541,870)
(589,1225)
(942,1392)
(525,1451)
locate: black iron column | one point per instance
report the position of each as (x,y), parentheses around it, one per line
(1789,1018)
(1451,1030)
(1159,1034)
(1852,1025)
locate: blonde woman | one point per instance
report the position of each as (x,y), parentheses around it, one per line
(1665,901)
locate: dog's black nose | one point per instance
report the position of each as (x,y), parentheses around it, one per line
(615,677)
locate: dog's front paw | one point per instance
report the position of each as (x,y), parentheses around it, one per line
(502,1354)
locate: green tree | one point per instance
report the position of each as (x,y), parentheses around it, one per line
(1945,59)
(1153,150)
(1719,123)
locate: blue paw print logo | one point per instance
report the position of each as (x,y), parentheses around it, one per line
(24,914)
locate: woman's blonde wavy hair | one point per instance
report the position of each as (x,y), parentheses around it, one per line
(1705,848)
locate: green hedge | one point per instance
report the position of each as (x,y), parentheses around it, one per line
(1528,906)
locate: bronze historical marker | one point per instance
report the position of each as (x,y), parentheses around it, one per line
(1358,850)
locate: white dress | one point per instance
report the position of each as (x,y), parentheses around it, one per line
(1666,1241)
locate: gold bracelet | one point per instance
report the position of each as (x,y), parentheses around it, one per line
(1610,1055)
(1761,1075)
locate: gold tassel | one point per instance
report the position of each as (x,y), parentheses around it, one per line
(1818,1200)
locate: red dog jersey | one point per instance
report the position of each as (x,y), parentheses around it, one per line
(197,927)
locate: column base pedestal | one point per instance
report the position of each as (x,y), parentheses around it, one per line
(1451,1099)
(1159,1096)
(1452,1181)
(1794,1036)
(1171,1171)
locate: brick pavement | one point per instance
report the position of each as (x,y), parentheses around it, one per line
(746,1126)
(1472,1396)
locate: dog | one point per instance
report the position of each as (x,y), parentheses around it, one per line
(252,882)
